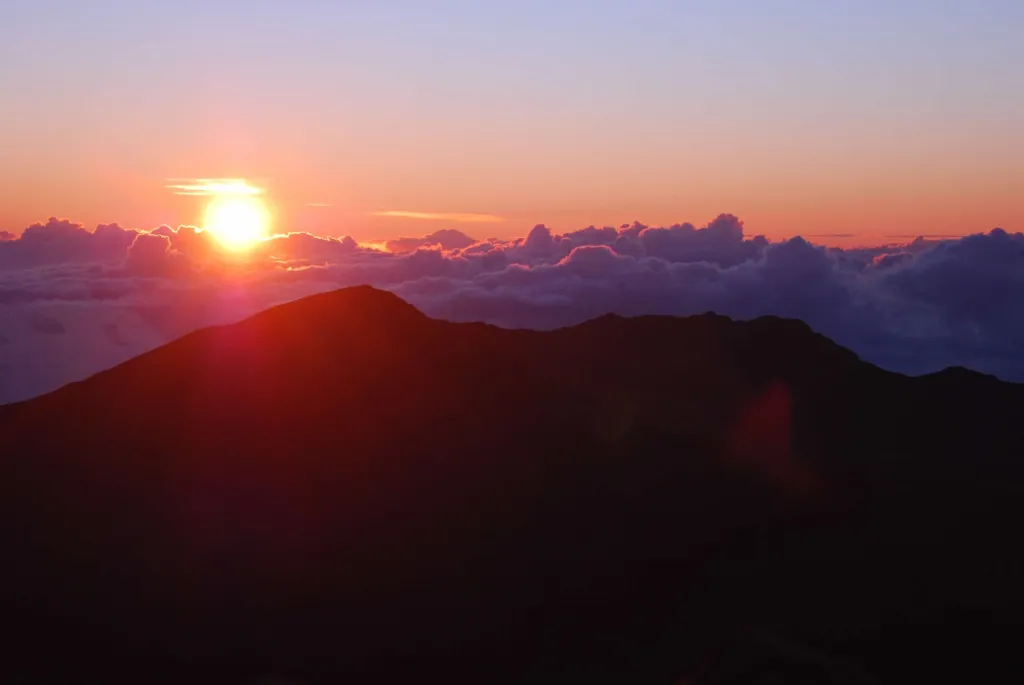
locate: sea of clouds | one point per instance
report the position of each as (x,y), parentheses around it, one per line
(75,301)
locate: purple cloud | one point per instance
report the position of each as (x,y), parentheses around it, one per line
(446,239)
(61,241)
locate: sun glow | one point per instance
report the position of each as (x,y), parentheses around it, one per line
(237,221)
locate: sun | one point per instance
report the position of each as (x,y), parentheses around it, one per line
(237,221)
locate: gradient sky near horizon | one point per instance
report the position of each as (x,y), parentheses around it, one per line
(834,118)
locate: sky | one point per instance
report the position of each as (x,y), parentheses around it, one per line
(856,165)
(848,122)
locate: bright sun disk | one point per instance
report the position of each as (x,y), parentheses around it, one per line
(237,221)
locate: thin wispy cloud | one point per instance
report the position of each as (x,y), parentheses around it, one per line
(318,204)
(213,186)
(442,216)
(942,236)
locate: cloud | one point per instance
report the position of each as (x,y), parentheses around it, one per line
(152,254)
(74,301)
(6,235)
(63,241)
(436,216)
(446,239)
(304,249)
(213,186)
(933,236)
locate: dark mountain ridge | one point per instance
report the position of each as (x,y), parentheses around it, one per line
(344,488)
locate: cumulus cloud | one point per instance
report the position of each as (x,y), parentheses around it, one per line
(74,301)
(446,239)
(62,241)
(152,254)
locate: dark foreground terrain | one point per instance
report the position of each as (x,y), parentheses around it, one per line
(343,490)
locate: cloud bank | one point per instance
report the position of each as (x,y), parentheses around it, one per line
(75,301)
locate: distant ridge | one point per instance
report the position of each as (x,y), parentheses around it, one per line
(342,488)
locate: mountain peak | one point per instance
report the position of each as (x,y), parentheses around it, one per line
(352,301)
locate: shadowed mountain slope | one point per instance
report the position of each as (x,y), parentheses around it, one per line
(343,488)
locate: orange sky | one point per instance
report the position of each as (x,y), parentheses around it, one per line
(808,187)
(842,211)
(898,119)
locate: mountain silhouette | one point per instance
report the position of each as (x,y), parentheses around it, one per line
(343,489)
